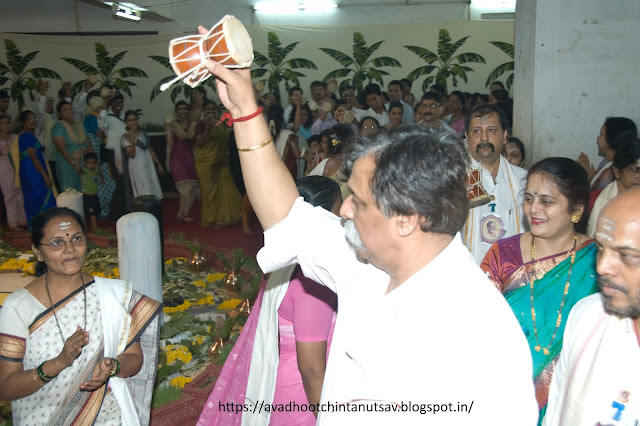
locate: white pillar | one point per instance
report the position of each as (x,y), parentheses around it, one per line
(139,253)
(575,64)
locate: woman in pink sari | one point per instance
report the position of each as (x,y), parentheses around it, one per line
(11,192)
(289,370)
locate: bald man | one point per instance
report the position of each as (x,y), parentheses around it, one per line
(597,378)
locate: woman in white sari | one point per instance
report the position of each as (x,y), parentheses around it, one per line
(140,158)
(75,349)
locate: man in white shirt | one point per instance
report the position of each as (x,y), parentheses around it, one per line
(420,328)
(394,90)
(597,377)
(486,134)
(318,96)
(376,107)
(111,122)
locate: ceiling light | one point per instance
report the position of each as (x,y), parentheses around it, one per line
(293,7)
(125,12)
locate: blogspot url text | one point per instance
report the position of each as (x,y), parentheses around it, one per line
(349,407)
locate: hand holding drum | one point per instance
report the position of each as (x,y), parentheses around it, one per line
(228,43)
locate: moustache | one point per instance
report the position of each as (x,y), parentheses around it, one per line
(352,235)
(606,282)
(485,145)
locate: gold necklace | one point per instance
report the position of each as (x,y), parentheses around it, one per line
(538,347)
(84,291)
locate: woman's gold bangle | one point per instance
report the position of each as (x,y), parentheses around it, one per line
(36,379)
(254,147)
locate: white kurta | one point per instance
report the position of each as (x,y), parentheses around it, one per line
(443,336)
(597,377)
(114,127)
(142,172)
(505,211)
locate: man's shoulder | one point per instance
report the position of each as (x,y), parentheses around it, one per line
(584,315)
(447,128)
(518,171)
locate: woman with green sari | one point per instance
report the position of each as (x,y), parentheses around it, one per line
(544,272)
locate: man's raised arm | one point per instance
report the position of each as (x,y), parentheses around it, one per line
(269,184)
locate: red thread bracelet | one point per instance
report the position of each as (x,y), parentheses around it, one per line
(230,120)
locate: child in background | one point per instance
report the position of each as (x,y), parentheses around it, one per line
(90,173)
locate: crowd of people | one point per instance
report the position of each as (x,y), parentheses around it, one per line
(395,237)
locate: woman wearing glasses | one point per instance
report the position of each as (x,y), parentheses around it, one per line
(71,345)
(36,179)
(626,169)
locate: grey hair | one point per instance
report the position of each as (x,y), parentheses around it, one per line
(419,170)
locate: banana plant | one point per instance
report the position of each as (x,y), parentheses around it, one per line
(105,70)
(21,79)
(361,64)
(178,89)
(447,63)
(277,67)
(504,68)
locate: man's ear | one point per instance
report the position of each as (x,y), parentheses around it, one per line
(406,225)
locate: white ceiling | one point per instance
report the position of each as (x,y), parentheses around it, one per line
(85,16)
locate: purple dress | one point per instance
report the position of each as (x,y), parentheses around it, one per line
(181,159)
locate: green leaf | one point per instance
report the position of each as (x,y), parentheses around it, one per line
(131,72)
(259,72)
(162,60)
(29,57)
(386,61)
(444,45)
(463,58)
(259,59)
(373,48)
(420,71)
(44,73)
(498,71)
(342,58)
(301,63)
(3,80)
(290,76)
(427,82)
(77,88)
(13,55)
(376,75)
(4,69)
(81,65)
(288,49)
(457,70)
(509,81)
(507,48)
(102,56)
(156,89)
(117,58)
(359,45)
(425,54)
(339,73)
(167,370)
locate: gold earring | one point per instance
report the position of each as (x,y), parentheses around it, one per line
(575,218)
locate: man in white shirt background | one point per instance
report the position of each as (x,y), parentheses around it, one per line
(376,107)
(486,135)
(597,377)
